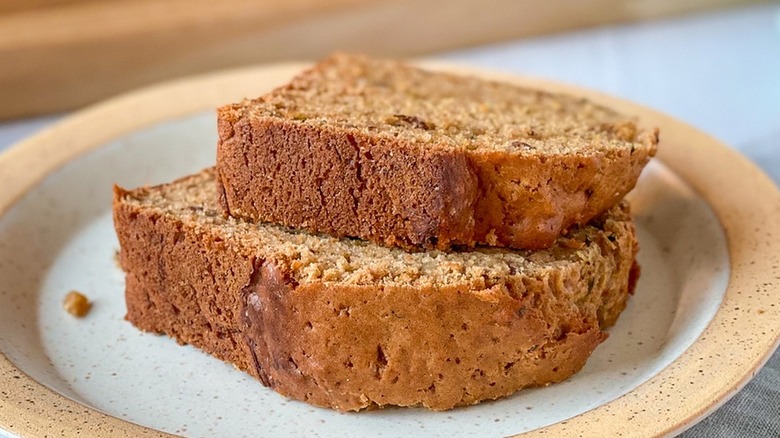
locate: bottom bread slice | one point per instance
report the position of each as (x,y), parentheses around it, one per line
(350,325)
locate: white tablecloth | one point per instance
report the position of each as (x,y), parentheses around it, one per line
(718,71)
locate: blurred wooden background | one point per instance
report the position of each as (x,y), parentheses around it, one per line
(59,55)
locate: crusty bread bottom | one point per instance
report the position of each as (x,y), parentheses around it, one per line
(353,346)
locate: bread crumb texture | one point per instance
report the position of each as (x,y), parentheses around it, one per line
(390,99)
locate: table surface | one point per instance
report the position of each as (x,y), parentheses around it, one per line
(718,71)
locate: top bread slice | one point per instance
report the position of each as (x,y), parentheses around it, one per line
(383,151)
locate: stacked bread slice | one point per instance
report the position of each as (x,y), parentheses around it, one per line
(374,234)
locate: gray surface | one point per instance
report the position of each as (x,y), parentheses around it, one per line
(753,412)
(719,72)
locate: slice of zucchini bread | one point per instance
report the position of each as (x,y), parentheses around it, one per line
(349,324)
(386,152)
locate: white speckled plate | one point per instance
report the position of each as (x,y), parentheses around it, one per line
(705,316)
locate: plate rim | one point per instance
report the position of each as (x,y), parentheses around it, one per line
(742,197)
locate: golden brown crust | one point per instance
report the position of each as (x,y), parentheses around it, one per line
(350,347)
(400,181)
(335,181)
(528,201)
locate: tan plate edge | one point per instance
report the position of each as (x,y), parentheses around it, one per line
(741,337)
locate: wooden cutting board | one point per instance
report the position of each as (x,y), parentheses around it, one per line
(57,55)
